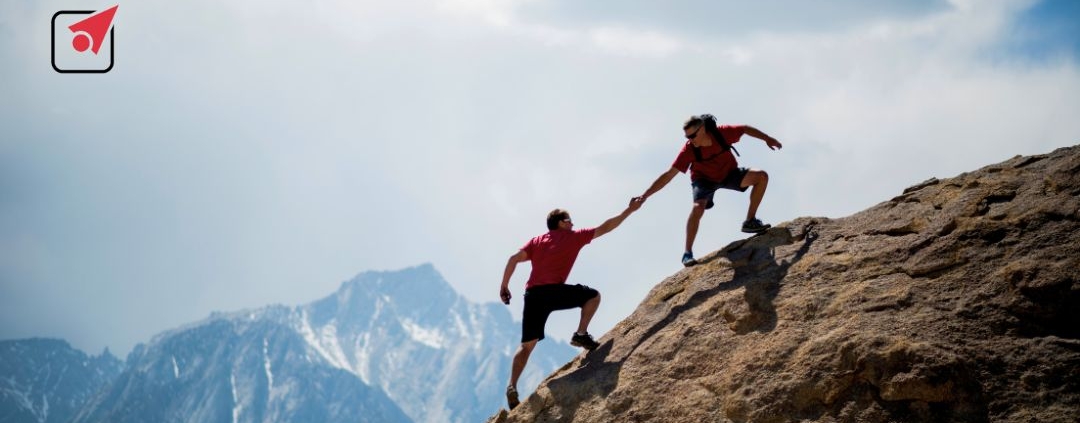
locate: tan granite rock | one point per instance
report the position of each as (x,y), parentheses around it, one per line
(957,301)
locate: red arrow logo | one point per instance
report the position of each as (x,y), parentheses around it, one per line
(90,32)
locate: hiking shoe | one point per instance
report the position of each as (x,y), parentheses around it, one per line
(584,341)
(754,226)
(688,259)
(512,397)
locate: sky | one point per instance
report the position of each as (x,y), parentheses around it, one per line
(243,153)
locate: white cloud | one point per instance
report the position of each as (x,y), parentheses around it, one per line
(649,44)
(494,12)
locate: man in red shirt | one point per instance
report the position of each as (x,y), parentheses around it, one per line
(707,154)
(553,255)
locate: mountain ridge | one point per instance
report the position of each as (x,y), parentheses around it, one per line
(47,380)
(394,345)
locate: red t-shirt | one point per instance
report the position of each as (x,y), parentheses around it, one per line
(553,255)
(715,162)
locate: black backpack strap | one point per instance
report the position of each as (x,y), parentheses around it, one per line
(724,144)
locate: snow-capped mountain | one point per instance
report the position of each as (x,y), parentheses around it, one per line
(242,368)
(386,347)
(46,380)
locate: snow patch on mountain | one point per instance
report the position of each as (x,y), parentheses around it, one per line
(44,408)
(324,341)
(266,366)
(431,337)
(363,357)
(236,402)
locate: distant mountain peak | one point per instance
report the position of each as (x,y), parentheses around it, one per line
(419,293)
(387,346)
(46,380)
(420,276)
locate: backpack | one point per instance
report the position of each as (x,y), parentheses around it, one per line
(724,146)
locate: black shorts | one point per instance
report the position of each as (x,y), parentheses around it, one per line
(704,188)
(541,300)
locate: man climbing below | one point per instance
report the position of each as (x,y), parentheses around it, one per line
(707,154)
(553,255)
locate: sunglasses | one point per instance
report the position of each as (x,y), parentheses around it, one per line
(694,134)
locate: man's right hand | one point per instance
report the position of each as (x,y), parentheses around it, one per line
(504,293)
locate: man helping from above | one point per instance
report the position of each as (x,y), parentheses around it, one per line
(708,155)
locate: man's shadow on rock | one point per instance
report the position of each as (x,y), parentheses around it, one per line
(754,262)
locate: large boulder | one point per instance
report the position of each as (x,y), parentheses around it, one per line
(957,301)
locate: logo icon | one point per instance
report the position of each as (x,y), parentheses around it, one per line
(83,47)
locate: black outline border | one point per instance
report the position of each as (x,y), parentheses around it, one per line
(52,43)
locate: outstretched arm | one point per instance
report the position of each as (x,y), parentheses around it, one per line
(610,224)
(511,264)
(659,183)
(769,141)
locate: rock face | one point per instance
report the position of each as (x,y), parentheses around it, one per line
(957,301)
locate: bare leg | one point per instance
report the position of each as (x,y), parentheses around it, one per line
(692,223)
(587,312)
(520,358)
(759,180)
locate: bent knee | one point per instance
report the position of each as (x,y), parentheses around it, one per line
(755,177)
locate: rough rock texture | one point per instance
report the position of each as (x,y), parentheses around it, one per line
(957,301)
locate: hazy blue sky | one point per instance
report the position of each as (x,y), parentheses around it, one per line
(242,153)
